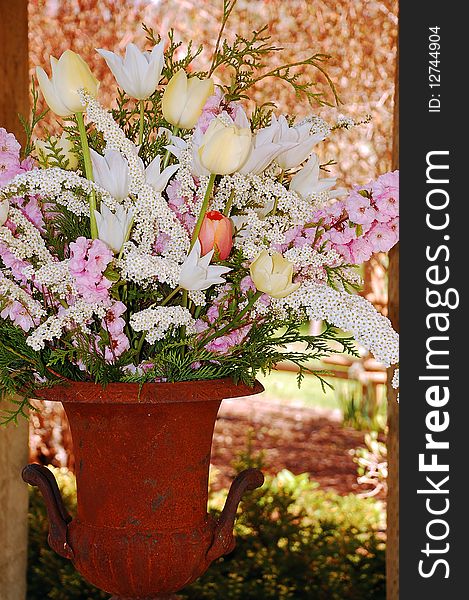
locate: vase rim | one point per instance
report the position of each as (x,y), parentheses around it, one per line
(149,393)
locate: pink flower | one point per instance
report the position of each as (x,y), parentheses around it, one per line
(344,236)
(118,345)
(361,250)
(113,321)
(213,313)
(8,143)
(9,167)
(161,241)
(16,265)
(345,251)
(247,285)
(99,256)
(31,210)
(387,184)
(88,261)
(18,314)
(381,237)
(387,205)
(78,252)
(359,209)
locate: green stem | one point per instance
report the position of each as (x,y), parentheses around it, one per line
(236,320)
(142,116)
(88,172)
(229,204)
(171,295)
(168,153)
(203,210)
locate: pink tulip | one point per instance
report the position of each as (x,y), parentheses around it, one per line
(216,233)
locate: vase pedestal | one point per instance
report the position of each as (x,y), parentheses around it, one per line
(142,458)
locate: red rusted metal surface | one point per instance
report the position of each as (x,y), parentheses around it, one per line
(142,461)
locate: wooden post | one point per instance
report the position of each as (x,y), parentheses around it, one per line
(392,554)
(14,98)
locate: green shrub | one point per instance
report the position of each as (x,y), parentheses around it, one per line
(294,541)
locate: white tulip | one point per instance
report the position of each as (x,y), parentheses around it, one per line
(264,150)
(184,99)
(197,273)
(113,228)
(4,210)
(70,73)
(155,177)
(63,146)
(225,145)
(111,172)
(307,182)
(138,73)
(298,141)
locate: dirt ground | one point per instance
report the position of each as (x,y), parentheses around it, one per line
(301,439)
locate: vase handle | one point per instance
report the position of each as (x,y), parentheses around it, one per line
(59,518)
(223,540)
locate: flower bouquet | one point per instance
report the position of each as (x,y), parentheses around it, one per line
(156,256)
(176,238)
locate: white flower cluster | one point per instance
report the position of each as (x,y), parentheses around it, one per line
(146,269)
(318,125)
(350,312)
(152,215)
(77,316)
(59,185)
(116,140)
(10,291)
(395,379)
(29,242)
(56,277)
(157,321)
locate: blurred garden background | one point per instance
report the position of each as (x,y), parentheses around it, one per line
(317,529)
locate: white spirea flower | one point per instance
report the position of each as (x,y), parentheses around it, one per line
(67,188)
(395,379)
(11,291)
(197,273)
(116,140)
(153,215)
(349,312)
(158,321)
(27,243)
(56,277)
(111,172)
(138,73)
(146,269)
(77,316)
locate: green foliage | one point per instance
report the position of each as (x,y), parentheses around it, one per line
(361,409)
(30,124)
(294,542)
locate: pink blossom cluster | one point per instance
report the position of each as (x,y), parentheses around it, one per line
(214,106)
(88,261)
(114,324)
(18,314)
(365,222)
(10,163)
(184,209)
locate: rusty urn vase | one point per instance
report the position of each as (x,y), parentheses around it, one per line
(142,460)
